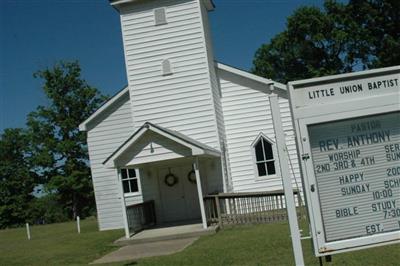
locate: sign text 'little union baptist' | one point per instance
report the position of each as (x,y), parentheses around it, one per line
(346,90)
(353,88)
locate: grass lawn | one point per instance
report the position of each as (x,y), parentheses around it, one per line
(264,245)
(56,244)
(59,244)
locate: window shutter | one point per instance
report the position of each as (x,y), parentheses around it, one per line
(159,16)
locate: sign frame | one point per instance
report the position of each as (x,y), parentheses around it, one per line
(304,115)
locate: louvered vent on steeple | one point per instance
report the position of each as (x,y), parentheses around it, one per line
(159,16)
(166,67)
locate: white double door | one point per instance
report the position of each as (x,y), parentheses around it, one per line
(180,201)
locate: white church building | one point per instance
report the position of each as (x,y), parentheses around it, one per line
(186,126)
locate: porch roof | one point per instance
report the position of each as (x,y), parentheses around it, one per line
(197,148)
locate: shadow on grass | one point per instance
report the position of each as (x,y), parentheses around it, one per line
(130,263)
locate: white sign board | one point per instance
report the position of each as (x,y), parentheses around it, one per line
(348,136)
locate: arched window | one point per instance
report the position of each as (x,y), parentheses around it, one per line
(264,157)
(166,67)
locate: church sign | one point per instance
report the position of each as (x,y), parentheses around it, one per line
(348,137)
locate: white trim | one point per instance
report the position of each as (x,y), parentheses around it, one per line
(210,65)
(262,135)
(207,52)
(121,2)
(137,177)
(274,154)
(123,204)
(110,162)
(124,46)
(208,3)
(196,167)
(105,106)
(253,77)
(132,194)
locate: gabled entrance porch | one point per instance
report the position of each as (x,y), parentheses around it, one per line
(173,173)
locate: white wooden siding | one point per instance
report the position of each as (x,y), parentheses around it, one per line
(210,173)
(112,128)
(150,188)
(184,100)
(247,113)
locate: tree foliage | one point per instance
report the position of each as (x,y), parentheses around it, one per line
(16,179)
(59,148)
(47,209)
(360,34)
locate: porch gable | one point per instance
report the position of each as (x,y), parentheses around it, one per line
(152,147)
(152,143)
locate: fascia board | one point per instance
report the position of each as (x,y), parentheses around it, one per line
(105,106)
(250,76)
(110,161)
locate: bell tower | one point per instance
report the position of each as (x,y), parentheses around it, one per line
(170,67)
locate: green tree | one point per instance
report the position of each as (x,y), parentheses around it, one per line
(377,25)
(16,179)
(341,38)
(59,148)
(47,209)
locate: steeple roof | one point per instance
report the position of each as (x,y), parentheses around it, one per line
(208,3)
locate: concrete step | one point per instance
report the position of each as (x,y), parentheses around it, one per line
(138,251)
(168,233)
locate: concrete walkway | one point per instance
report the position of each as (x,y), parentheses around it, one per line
(157,241)
(149,249)
(167,233)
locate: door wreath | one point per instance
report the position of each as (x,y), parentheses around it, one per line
(192,177)
(170,180)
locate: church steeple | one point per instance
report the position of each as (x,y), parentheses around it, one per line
(170,66)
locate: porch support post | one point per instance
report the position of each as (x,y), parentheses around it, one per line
(200,192)
(122,197)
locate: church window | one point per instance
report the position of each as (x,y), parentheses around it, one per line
(130,182)
(264,157)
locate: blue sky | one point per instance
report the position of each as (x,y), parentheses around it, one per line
(35,34)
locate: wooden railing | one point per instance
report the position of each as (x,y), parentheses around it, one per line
(140,216)
(247,208)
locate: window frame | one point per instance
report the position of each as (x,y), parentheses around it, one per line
(274,158)
(137,177)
